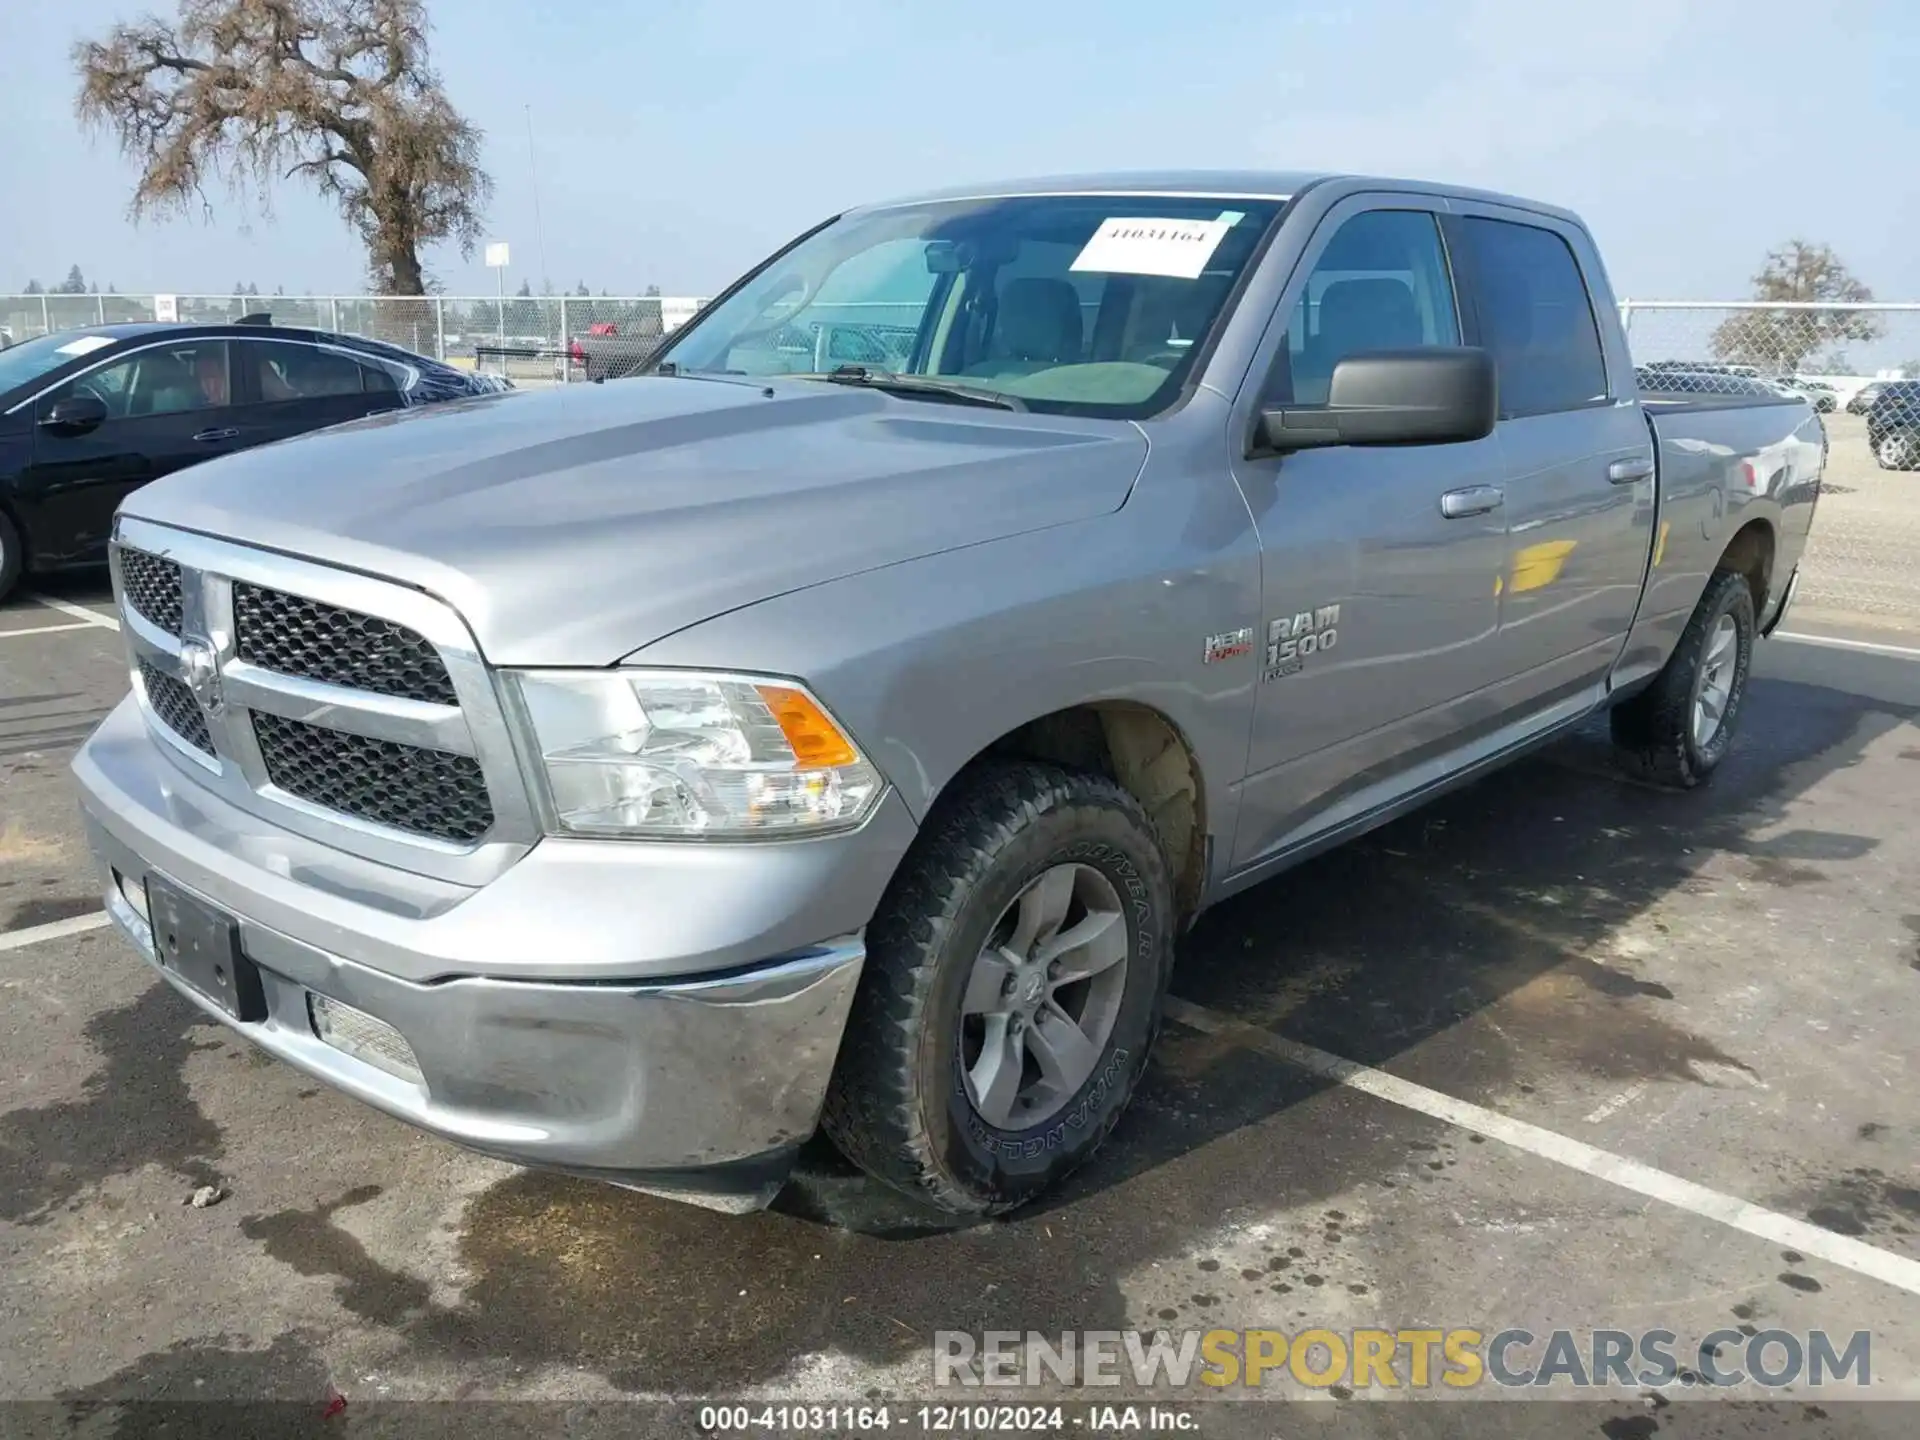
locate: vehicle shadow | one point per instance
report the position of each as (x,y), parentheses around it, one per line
(1374,952)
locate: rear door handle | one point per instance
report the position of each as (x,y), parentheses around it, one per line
(1473,500)
(209,436)
(1626,472)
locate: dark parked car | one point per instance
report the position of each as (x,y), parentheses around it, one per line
(87,416)
(1893,424)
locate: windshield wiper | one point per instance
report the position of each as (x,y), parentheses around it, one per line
(897,384)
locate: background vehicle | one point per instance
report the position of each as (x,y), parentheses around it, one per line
(1817,393)
(1862,399)
(1893,424)
(604,353)
(87,416)
(847,746)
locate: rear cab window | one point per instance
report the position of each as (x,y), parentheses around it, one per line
(1535,315)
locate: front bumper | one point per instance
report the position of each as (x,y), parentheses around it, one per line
(702,1085)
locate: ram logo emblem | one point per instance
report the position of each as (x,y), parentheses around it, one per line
(1292,638)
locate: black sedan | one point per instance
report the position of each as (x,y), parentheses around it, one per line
(88,415)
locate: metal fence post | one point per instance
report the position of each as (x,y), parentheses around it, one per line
(100,309)
(46,318)
(333,314)
(566,370)
(439,329)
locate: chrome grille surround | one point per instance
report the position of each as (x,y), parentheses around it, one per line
(474,726)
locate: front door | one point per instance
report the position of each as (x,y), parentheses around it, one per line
(168,406)
(1381,607)
(1579,483)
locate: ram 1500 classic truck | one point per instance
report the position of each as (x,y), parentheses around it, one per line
(632,779)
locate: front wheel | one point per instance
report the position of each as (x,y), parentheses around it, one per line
(1898,450)
(1013,986)
(1680,727)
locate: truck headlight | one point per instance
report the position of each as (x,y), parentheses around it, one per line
(664,755)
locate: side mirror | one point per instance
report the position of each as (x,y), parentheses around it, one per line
(75,414)
(1434,396)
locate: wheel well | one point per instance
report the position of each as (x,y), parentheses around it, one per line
(1142,751)
(1750,553)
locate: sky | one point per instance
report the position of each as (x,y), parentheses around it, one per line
(674,142)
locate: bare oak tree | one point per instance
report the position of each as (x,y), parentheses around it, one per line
(338,93)
(1778,341)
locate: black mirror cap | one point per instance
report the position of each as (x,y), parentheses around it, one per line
(1439,395)
(75,413)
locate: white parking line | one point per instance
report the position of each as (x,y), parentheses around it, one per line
(42,630)
(1872,647)
(1728,1210)
(79,612)
(53,930)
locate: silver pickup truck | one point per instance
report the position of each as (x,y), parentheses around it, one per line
(633,779)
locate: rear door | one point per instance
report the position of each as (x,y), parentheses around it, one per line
(295,386)
(1579,482)
(1380,612)
(169,405)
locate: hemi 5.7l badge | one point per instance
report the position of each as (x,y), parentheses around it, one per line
(1230,645)
(1292,638)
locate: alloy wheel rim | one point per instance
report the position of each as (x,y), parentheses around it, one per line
(1715,690)
(1043,996)
(1894,449)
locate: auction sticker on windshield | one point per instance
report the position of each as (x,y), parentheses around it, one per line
(1138,245)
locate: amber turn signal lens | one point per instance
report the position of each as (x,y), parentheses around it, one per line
(815,740)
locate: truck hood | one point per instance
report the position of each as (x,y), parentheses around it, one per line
(575,525)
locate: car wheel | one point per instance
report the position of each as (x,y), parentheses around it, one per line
(1679,729)
(1014,979)
(12,556)
(1897,450)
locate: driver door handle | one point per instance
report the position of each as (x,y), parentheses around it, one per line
(1626,472)
(1473,500)
(209,436)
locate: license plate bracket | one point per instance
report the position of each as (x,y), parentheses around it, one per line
(202,946)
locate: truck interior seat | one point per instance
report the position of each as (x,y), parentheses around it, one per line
(1355,315)
(1038,327)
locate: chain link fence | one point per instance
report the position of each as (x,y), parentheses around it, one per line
(1859,365)
(532,338)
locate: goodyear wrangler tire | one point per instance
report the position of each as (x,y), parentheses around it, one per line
(1013,987)
(1679,729)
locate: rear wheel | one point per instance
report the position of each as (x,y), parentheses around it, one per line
(1898,450)
(1680,728)
(1015,973)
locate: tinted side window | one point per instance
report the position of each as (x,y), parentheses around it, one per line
(163,380)
(1535,317)
(308,372)
(1381,284)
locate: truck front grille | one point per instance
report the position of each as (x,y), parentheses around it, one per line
(151,585)
(297,636)
(350,710)
(173,702)
(404,787)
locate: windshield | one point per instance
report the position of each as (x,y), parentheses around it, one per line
(1077,304)
(31,359)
